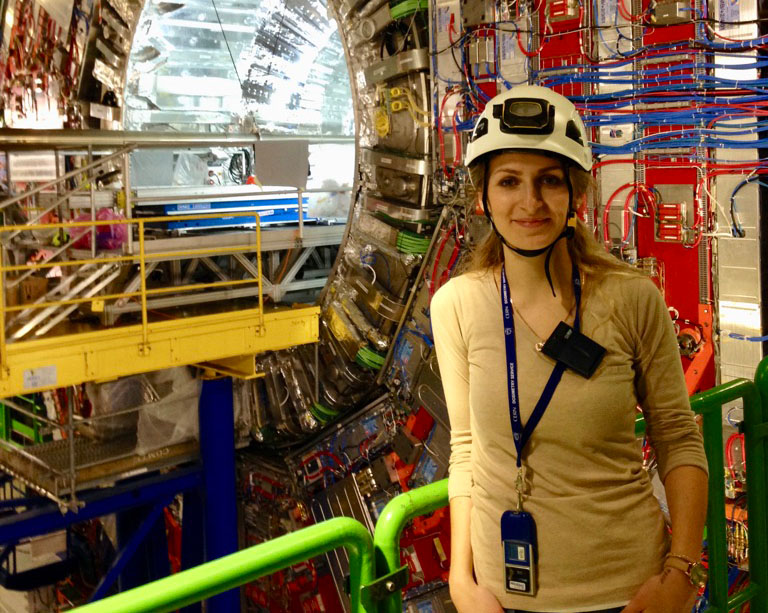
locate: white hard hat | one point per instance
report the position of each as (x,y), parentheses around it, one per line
(531,117)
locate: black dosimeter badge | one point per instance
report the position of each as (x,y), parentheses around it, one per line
(518,538)
(578,352)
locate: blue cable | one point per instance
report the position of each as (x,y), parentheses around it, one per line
(415,332)
(751,339)
(736,228)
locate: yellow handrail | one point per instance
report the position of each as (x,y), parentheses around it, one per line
(142,258)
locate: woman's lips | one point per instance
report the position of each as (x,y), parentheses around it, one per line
(531,223)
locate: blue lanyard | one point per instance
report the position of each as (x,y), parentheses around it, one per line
(522,434)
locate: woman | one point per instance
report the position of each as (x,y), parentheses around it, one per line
(560,516)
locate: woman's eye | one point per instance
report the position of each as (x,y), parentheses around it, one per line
(551,180)
(508,182)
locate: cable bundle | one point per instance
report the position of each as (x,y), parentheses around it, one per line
(410,242)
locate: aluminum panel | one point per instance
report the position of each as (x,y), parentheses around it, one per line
(737,272)
(740,284)
(738,358)
(342,499)
(402,63)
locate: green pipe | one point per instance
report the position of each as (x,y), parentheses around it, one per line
(709,405)
(234,570)
(386,538)
(755,444)
(749,594)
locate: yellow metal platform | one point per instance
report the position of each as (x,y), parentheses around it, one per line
(214,340)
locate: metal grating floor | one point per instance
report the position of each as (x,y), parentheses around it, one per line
(46,467)
(87,451)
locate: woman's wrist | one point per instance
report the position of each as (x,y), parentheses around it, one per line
(677,580)
(693,553)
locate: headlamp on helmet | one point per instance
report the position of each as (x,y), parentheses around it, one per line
(525,116)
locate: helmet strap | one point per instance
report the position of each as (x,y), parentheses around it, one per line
(567,233)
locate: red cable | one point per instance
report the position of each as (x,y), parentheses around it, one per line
(267,479)
(729,451)
(736,40)
(642,189)
(606,212)
(525,52)
(441,137)
(456,136)
(451,262)
(325,453)
(438,255)
(625,13)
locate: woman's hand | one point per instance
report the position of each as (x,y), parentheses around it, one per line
(668,592)
(469,597)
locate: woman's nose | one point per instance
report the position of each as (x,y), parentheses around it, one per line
(530,194)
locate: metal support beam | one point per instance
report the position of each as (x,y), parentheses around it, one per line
(193,536)
(126,553)
(215,269)
(135,283)
(191,268)
(217,451)
(112,353)
(249,266)
(280,289)
(48,517)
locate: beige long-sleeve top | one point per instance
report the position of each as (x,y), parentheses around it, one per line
(601,533)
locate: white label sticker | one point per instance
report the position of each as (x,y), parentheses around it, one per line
(507,46)
(520,553)
(443,18)
(516,585)
(728,11)
(32,166)
(101,111)
(44,376)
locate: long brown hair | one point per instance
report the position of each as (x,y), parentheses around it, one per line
(589,256)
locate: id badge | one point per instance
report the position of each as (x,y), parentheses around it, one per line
(518,539)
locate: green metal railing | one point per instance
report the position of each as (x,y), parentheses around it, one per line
(17,430)
(755,427)
(377,575)
(709,405)
(756,446)
(234,570)
(386,539)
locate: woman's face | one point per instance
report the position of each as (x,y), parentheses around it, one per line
(528,198)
